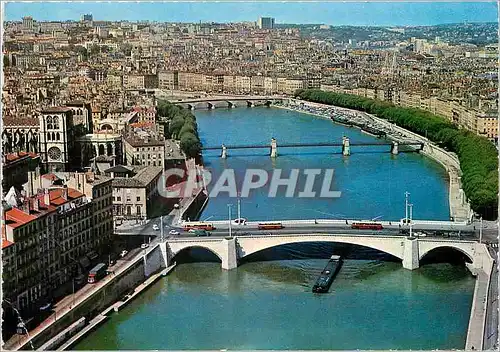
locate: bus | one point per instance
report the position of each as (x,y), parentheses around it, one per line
(270,226)
(198,225)
(367,226)
(97,273)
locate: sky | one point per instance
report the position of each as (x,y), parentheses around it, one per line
(333,13)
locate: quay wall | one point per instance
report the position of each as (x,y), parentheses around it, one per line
(93,304)
(196,204)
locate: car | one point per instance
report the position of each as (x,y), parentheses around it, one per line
(173,232)
(144,246)
(240,221)
(123,253)
(156,227)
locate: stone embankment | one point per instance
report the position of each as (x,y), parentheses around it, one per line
(460,209)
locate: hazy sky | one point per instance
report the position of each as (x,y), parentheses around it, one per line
(334,13)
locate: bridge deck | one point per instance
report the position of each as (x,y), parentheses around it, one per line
(300,145)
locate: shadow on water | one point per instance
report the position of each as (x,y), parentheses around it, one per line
(318,250)
(444,265)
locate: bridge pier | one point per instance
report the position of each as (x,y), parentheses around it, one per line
(250,104)
(231,105)
(394,148)
(228,256)
(224,152)
(346,149)
(274,148)
(190,107)
(210,105)
(411,256)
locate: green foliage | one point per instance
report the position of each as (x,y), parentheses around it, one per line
(182,126)
(478,157)
(190,144)
(6,61)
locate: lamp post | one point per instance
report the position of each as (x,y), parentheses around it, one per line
(239,207)
(161,228)
(229,211)
(411,217)
(481,230)
(406,206)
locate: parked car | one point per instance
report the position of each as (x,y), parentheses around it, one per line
(144,246)
(240,221)
(156,227)
(123,253)
(173,232)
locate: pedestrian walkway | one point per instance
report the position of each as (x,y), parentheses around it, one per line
(475,331)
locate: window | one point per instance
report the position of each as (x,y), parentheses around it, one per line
(138,199)
(118,199)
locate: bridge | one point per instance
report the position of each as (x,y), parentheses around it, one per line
(410,250)
(346,145)
(230,102)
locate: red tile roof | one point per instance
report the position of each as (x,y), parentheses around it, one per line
(21,121)
(10,157)
(16,217)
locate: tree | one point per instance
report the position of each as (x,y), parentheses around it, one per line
(6,61)
(175,126)
(478,156)
(190,145)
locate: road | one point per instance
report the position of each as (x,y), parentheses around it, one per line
(65,305)
(491,326)
(309,227)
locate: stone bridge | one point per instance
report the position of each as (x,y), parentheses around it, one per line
(410,251)
(230,102)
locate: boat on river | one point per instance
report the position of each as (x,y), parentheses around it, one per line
(328,274)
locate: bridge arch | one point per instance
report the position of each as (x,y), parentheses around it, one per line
(186,248)
(447,247)
(388,245)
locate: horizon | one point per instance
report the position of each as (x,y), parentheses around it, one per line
(356,14)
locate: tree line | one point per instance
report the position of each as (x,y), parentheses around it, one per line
(477,155)
(180,124)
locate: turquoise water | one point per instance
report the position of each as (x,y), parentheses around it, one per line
(268,304)
(372,181)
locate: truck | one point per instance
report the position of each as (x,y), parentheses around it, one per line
(97,273)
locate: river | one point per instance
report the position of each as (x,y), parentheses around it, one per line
(267,302)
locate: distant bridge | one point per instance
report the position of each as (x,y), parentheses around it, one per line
(305,145)
(346,146)
(212,103)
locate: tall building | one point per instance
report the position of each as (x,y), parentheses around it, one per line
(28,22)
(265,23)
(56,138)
(87,18)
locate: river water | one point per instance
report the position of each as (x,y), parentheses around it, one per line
(267,302)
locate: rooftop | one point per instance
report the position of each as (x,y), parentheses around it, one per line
(56,110)
(144,175)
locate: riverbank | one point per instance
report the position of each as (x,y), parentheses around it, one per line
(125,276)
(460,209)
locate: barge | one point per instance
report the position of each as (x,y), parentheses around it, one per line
(328,274)
(373,131)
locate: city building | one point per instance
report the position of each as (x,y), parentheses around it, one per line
(50,238)
(56,138)
(265,23)
(135,189)
(15,168)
